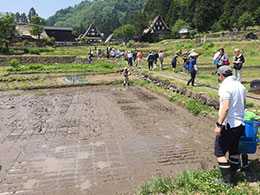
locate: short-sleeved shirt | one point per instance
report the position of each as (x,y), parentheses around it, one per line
(232,90)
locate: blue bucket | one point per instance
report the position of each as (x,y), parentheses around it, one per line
(251,128)
(247,146)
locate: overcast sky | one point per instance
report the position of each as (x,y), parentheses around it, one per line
(44,8)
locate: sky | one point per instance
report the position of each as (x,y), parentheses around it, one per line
(44,8)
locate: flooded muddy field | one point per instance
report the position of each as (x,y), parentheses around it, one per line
(96,140)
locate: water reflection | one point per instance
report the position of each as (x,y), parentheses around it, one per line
(75,79)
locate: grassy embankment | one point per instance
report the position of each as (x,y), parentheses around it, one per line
(203,182)
(45,80)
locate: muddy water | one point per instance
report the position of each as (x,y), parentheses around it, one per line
(96,140)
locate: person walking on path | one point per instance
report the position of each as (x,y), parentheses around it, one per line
(161,58)
(238,63)
(193,67)
(220,58)
(150,60)
(156,56)
(230,124)
(174,61)
(126,76)
(139,59)
(130,58)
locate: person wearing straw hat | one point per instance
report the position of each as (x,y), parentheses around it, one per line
(126,76)
(230,124)
(193,67)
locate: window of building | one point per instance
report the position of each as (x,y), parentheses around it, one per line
(92,30)
(93,33)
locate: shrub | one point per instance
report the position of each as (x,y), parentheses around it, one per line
(50,41)
(189,45)
(14,63)
(208,45)
(35,67)
(208,52)
(34,51)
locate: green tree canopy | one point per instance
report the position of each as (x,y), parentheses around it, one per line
(245,20)
(32,12)
(125,32)
(7,30)
(37,27)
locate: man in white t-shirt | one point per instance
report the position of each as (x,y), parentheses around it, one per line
(230,124)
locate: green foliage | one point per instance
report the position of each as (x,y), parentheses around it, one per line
(7,31)
(85,40)
(245,20)
(38,20)
(50,41)
(216,27)
(14,63)
(208,45)
(125,32)
(107,15)
(178,26)
(189,45)
(37,30)
(195,182)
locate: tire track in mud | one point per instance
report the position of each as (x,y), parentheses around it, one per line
(96,140)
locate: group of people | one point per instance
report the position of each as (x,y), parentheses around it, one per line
(221,59)
(153,58)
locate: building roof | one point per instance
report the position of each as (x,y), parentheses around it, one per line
(87,31)
(24,31)
(184,30)
(109,38)
(57,28)
(151,25)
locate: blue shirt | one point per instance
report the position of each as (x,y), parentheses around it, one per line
(191,64)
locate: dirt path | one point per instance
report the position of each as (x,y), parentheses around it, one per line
(96,140)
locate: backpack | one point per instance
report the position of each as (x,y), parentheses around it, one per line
(150,58)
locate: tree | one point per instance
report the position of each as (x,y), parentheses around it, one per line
(24,18)
(245,20)
(178,26)
(37,27)
(140,22)
(17,17)
(7,30)
(125,32)
(32,12)
(256,16)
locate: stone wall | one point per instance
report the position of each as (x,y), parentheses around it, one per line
(43,60)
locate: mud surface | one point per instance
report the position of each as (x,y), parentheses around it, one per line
(96,140)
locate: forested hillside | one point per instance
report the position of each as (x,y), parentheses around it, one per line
(205,15)
(106,14)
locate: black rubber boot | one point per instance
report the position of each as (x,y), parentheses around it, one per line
(226,172)
(234,164)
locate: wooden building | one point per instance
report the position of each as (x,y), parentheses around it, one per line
(61,34)
(93,34)
(157,28)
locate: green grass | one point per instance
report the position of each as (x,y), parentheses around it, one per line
(30,68)
(202,182)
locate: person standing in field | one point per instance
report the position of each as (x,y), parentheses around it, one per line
(238,63)
(150,60)
(139,59)
(230,124)
(130,58)
(161,58)
(193,67)
(126,74)
(174,61)
(156,56)
(185,62)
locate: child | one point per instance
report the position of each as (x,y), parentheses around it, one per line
(126,78)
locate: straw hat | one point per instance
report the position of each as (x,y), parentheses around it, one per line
(193,54)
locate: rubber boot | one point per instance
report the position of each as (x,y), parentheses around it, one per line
(244,161)
(226,172)
(234,164)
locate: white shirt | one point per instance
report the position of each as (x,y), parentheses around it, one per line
(232,90)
